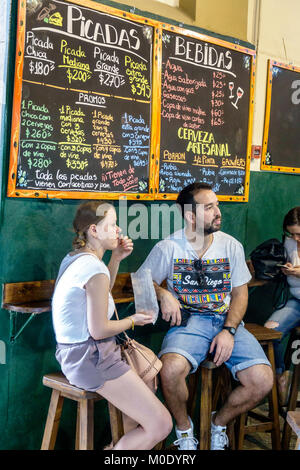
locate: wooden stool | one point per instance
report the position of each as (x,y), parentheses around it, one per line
(265,336)
(293,419)
(293,394)
(209,398)
(61,389)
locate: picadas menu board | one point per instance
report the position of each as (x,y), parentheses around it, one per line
(82,113)
(206,109)
(110,104)
(281,142)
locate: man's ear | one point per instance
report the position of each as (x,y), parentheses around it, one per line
(190,217)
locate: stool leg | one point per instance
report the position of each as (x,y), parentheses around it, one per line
(240,430)
(192,387)
(52,423)
(292,403)
(116,423)
(205,408)
(77,427)
(273,403)
(86,425)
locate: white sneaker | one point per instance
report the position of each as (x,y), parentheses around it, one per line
(219,438)
(185,439)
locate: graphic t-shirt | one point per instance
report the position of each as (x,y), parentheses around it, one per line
(201,285)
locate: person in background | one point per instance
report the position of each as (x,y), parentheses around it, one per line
(288,317)
(82,308)
(206,299)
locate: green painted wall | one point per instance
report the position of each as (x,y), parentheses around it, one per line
(34,237)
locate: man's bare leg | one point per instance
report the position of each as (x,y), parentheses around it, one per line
(255,383)
(173,374)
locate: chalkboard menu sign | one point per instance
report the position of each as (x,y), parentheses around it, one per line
(281,143)
(82,101)
(206,114)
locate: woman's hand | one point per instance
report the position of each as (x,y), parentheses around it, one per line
(124,248)
(141,319)
(291,270)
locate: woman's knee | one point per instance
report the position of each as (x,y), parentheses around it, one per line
(271,324)
(160,425)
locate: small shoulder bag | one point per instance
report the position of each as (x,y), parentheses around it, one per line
(140,358)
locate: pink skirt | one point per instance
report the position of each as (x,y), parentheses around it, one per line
(88,365)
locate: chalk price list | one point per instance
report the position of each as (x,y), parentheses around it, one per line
(74,146)
(217,99)
(36,133)
(106,148)
(85,106)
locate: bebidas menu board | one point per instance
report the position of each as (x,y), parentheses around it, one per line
(82,101)
(206,113)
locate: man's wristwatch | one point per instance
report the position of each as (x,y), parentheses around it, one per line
(231,329)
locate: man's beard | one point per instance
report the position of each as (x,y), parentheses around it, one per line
(211,229)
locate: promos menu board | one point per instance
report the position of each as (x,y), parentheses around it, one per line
(82,102)
(281,143)
(206,111)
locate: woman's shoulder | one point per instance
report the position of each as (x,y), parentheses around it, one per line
(290,245)
(85,261)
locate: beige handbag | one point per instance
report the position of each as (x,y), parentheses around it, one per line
(141,359)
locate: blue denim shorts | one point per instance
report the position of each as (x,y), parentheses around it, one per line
(193,342)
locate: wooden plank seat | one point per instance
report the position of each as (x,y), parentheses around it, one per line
(61,389)
(35,296)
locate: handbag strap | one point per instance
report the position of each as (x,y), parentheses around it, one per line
(124,332)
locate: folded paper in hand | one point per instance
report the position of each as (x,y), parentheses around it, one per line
(144,293)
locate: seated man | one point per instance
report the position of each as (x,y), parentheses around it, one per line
(206,299)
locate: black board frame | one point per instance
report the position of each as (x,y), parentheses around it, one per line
(264,165)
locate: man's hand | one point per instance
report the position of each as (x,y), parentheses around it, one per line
(170,308)
(223,342)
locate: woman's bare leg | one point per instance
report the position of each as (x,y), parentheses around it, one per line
(129,394)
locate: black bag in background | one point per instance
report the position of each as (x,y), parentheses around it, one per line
(265,259)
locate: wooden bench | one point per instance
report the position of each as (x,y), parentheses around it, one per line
(34,297)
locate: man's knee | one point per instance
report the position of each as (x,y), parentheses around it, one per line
(258,379)
(174,366)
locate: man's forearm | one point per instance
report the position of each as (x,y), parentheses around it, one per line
(158,290)
(237,309)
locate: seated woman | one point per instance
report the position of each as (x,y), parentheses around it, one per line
(288,317)
(82,308)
